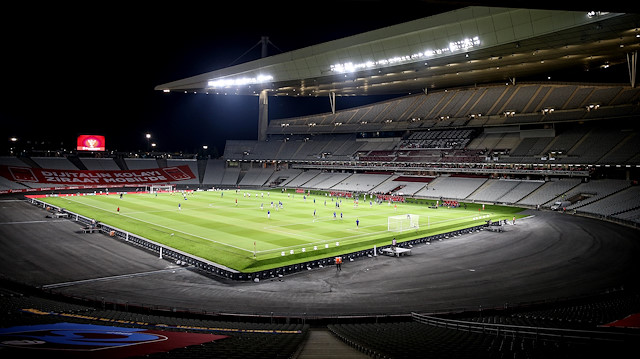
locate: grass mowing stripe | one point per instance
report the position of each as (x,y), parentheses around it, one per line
(172,229)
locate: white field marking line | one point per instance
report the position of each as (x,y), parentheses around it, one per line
(130,275)
(274,228)
(342,238)
(321,242)
(169,228)
(323,219)
(347,238)
(302,235)
(306,235)
(459,218)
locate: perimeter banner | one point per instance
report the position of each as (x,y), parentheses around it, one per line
(97,177)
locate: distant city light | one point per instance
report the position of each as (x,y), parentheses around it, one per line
(242,81)
(454,46)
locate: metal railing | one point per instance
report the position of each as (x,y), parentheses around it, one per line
(526,332)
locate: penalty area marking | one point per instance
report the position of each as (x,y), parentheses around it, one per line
(320,241)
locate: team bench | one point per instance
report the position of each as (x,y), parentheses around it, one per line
(90,229)
(397,251)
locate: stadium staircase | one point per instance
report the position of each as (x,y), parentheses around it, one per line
(202,168)
(482,187)
(29,162)
(321,343)
(162,162)
(122,164)
(77,162)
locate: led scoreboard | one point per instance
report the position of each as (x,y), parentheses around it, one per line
(90,143)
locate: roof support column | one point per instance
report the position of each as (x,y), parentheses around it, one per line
(332,102)
(632,63)
(263,115)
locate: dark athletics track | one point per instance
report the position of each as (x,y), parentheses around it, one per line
(543,257)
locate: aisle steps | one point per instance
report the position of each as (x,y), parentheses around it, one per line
(322,344)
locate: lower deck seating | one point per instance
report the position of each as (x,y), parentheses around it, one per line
(246,340)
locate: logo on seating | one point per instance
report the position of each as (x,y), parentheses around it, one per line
(76,337)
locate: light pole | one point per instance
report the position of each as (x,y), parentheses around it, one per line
(12,146)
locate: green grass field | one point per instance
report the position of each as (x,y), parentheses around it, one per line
(243,236)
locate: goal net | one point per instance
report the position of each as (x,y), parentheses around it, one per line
(403,222)
(160,188)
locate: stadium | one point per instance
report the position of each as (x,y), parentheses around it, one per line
(478,206)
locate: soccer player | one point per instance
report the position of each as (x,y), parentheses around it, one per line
(357,223)
(269,214)
(118,210)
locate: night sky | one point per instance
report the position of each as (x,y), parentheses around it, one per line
(92,70)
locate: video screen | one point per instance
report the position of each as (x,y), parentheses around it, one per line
(91,143)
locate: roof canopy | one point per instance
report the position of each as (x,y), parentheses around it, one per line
(473,45)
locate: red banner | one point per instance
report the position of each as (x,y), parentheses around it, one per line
(97,177)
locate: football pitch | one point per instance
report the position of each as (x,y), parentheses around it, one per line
(253,230)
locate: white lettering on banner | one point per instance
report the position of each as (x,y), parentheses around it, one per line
(90,177)
(135,179)
(75,174)
(51,179)
(141,174)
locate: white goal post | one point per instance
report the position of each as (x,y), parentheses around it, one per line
(154,188)
(403,222)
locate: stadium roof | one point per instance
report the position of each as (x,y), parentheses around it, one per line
(464,47)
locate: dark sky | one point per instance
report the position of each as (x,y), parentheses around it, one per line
(92,69)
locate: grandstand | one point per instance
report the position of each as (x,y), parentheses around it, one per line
(488,165)
(555,285)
